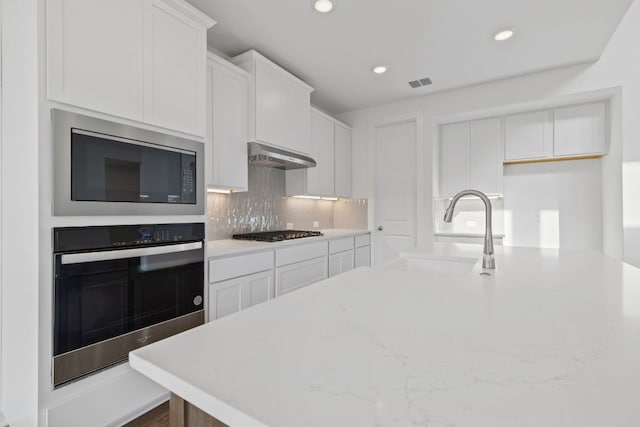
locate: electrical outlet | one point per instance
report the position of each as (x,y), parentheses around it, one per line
(316,224)
(289,226)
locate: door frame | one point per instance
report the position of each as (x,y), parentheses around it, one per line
(420,210)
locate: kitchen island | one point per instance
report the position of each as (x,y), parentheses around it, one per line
(550,338)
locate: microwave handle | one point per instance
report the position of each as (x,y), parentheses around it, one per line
(128,253)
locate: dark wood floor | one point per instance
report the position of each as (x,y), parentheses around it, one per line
(157,417)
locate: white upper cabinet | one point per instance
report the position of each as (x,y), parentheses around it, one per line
(269,104)
(279,104)
(471,157)
(580,129)
(331,149)
(342,164)
(528,136)
(320,179)
(297,124)
(142,60)
(228,93)
(175,68)
(485,155)
(94,55)
(454,158)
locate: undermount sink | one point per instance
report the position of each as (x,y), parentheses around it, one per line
(432,263)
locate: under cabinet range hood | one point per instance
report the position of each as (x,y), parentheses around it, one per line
(264,155)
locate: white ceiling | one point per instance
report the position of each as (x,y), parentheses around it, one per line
(448,40)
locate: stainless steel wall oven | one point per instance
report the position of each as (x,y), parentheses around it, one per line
(117,288)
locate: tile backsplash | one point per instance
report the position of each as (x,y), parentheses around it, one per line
(265,207)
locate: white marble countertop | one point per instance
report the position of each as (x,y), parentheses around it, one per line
(551,339)
(217,248)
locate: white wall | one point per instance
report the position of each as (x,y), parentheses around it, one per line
(554,205)
(19,215)
(618,69)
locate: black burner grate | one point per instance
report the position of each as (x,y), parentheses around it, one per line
(277,236)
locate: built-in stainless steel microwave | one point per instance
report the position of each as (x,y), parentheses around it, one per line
(107,168)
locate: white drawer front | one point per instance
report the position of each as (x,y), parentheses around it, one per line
(241,265)
(300,252)
(363,257)
(340,245)
(301,274)
(363,240)
(340,263)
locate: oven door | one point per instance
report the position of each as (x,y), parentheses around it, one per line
(108,303)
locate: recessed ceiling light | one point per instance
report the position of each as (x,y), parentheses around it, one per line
(503,35)
(323,6)
(380,69)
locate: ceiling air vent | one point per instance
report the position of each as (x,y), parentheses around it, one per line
(419,83)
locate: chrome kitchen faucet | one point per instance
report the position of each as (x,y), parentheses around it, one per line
(488,260)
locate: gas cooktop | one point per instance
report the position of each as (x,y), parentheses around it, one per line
(277,236)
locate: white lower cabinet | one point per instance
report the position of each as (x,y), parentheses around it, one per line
(362,257)
(295,276)
(240,281)
(340,263)
(231,296)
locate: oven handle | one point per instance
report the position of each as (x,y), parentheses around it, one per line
(128,253)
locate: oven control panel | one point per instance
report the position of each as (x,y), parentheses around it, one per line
(70,239)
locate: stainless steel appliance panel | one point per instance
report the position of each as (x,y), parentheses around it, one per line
(65,123)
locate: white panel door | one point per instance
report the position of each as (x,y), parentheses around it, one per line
(362,257)
(528,136)
(342,163)
(175,69)
(320,178)
(295,276)
(580,129)
(340,263)
(485,156)
(257,289)
(227,127)
(297,109)
(270,104)
(395,190)
(225,298)
(454,158)
(95,55)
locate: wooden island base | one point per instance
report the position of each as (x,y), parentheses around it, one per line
(184,414)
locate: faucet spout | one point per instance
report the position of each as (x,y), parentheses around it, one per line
(488,259)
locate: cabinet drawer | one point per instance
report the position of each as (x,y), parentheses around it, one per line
(241,265)
(340,245)
(363,240)
(299,253)
(295,276)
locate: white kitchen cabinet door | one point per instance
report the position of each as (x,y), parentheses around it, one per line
(362,257)
(320,179)
(225,298)
(269,104)
(340,263)
(580,129)
(227,125)
(297,119)
(454,158)
(94,55)
(528,136)
(175,69)
(238,294)
(485,156)
(295,276)
(342,161)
